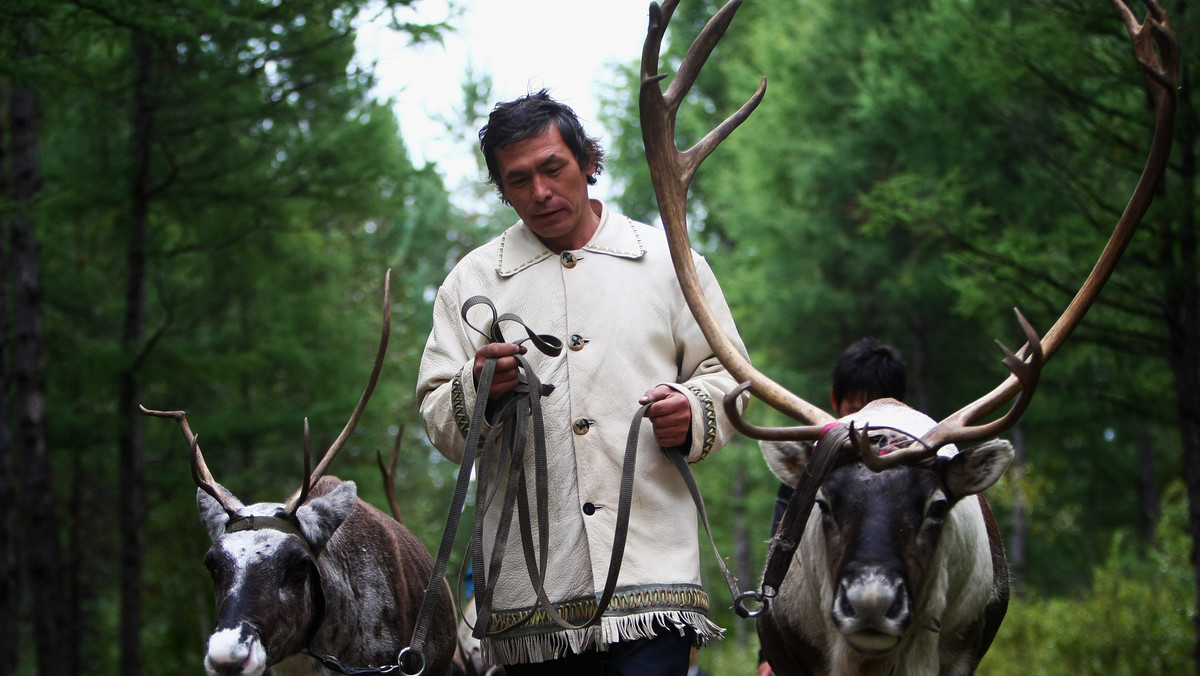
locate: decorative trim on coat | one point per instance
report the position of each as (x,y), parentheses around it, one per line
(710,420)
(459,397)
(632,614)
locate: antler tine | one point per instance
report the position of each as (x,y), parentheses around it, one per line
(956,428)
(699,51)
(389,475)
(697,55)
(798,433)
(655,31)
(200,474)
(671,173)
(1158,54)
(309,480)
(304,489)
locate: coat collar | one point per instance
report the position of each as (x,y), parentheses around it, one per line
(615,236)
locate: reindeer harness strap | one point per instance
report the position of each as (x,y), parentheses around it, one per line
(791,527)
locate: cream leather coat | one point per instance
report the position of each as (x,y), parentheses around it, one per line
(626,328)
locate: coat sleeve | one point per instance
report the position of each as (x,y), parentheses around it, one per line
(703,379)
(445,386)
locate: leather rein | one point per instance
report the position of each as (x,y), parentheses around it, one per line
(516,421)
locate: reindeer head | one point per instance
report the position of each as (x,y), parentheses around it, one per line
(263,560)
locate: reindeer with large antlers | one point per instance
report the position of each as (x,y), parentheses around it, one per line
(901,569)
(317,585)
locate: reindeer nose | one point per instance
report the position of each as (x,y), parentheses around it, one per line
(872,602)
(873,599)
(235,652)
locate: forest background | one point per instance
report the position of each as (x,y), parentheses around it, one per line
(200,200)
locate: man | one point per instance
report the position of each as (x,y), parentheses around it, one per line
(573,268)
(865,371)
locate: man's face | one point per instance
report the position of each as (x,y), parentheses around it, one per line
(548,190)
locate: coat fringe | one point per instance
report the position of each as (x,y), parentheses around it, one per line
(552,646)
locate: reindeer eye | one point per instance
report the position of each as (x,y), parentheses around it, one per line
(296,572)
(212,563)
(937,509)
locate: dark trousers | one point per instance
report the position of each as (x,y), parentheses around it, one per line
(664,655)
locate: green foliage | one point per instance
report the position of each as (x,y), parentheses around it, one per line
(1135,619)
(278,193)
(917,168)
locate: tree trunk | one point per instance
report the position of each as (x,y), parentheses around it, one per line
(9,588)
(1149,506)
(1179,250)
(132,462)
(1017,558)
(1188,404)
(918,364)
(39,517)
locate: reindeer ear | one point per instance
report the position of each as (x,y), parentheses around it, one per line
(786,459)
(977,468)
(320,517)
(212,514)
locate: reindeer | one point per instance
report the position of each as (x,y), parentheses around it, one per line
(321,584)
(901,569)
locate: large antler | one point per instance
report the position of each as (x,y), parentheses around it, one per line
(298,497)
(672,171)
(204,478)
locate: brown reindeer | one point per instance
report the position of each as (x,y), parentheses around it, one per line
(318,584)
(900,570)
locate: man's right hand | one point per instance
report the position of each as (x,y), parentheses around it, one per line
(506,376)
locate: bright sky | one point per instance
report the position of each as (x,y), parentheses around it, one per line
(567,46)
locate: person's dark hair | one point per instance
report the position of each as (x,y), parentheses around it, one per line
(514,121)
(869,367)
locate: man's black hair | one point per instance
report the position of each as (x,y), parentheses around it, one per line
(869,367)
(523,118)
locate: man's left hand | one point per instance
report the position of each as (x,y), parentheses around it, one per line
(671,415)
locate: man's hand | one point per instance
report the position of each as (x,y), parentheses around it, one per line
(506,375)
(671,415)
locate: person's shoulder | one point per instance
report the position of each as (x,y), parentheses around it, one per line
(653,238)
(482,256)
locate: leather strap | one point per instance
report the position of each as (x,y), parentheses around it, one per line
(505,446)
(795,516)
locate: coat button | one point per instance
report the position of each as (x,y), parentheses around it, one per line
(589,508)
(576,342)
(582,425)
(568,259)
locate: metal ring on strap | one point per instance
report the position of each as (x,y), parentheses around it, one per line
(416,653)
(739,604)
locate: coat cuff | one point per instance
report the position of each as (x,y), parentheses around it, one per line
(463,396)
(704,421)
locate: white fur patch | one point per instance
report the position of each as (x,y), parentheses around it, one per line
(230,647)
(247,548)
